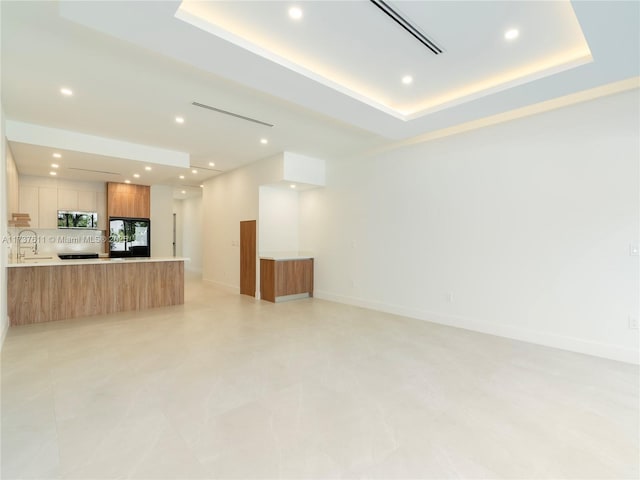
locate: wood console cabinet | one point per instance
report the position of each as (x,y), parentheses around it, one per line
(125,200)
(281,278)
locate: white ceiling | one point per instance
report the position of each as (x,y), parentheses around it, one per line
(135,66)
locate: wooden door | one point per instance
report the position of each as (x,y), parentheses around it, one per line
(248,258)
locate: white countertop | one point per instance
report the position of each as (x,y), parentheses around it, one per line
(285,255)
(54,261)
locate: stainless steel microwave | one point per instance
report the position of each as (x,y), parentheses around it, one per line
(85,220)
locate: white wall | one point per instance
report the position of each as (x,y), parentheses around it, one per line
(520,229)
(279,219)
(192,233)
(302,169)
(161,221)
(5,247)
(228,199)
(13,184)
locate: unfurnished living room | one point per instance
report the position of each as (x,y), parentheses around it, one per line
(378,239)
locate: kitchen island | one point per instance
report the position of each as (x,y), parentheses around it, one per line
(50,289)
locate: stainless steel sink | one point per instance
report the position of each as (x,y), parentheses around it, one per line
(35,259)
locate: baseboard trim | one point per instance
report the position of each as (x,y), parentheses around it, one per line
(5,329)
(572,344)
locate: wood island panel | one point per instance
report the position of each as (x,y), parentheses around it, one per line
(267,280)
(48,293)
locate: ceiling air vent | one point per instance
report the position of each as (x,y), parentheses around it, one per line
(92,171)
(225,112)
(404,23)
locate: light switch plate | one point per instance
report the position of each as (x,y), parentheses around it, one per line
(634,249)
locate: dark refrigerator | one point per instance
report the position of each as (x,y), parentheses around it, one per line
(129,237)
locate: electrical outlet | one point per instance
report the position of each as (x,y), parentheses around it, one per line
(450,297)
(634,250)
(633,322)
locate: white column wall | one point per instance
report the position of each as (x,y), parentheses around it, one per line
(161,221)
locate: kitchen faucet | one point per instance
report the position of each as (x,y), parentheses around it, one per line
(35,243)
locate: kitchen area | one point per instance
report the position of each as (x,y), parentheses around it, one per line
(82,248)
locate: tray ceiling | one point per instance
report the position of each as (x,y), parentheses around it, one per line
(358,50)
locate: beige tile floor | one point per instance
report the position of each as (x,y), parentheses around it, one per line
(229,387)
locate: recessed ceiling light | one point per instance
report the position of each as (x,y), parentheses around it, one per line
(181,177)
(148,169)
(67,92)
(54,165)
(295,13)
(511,34)
(201,186)
(407,79)
(183,192)
(127,181)
(264,141)
(211,164)
(179,120)
(194,171)
(292,185)
(57,155)
(53,173)
(136,175)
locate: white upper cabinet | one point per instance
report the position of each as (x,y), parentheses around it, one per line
(48,207)
(42,197)
(67,199)
(87,201)
(28,203)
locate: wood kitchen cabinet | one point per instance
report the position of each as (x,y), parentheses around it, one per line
(282,278)
(126,200)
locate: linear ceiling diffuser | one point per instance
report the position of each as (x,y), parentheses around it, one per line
(93,171)
(404,23)
(225,112)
